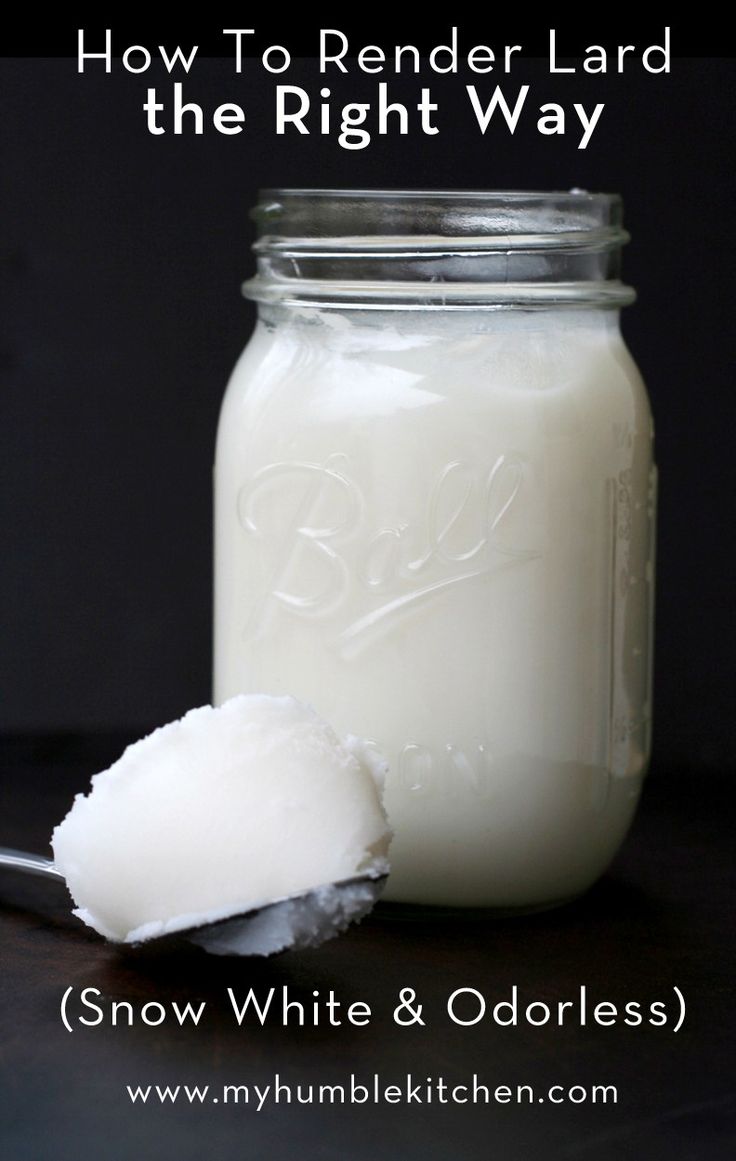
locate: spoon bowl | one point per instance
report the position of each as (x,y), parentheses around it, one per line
(305,919)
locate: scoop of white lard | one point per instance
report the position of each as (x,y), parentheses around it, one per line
(222,812)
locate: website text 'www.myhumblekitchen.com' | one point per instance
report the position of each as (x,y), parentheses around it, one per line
(373,1090)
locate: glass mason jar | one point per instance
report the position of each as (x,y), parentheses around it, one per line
(435,517)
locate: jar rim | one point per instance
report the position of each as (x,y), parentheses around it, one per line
(434,194)
(326,212)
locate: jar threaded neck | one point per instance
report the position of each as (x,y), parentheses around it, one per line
(438,250)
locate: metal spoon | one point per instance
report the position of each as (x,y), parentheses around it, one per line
(294,921)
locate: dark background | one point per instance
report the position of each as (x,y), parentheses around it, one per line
(124,319)
(121,323)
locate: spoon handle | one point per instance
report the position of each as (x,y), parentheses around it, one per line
(31,864)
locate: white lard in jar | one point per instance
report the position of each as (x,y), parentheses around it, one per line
(434,521)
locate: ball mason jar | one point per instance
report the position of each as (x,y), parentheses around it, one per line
(435,522)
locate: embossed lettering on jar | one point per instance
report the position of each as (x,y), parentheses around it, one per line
(434,521)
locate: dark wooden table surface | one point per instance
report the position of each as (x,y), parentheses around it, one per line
(662,918)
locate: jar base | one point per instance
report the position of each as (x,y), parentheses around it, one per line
(427,912)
